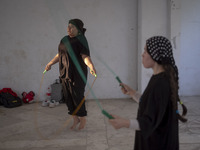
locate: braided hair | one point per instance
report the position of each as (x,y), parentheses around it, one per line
(174,85)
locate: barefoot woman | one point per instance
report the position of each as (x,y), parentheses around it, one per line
(73,84)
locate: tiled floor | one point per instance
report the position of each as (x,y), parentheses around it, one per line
(32,127)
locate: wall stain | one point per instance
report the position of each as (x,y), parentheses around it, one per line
(20,54)
(174,42)
(174,4)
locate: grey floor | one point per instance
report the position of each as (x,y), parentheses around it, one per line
(32,127)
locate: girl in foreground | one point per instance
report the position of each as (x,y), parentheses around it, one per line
(156,124)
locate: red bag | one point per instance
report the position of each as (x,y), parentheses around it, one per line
(8,90)
(9,99)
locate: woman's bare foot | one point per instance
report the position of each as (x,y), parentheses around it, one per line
(76,121)
(82,123)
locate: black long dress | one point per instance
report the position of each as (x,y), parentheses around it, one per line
(157,119)
(72,81)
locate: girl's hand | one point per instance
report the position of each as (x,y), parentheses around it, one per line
(126,89)
(119,122)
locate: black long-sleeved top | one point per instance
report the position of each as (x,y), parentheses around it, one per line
(68,70)
(157,119)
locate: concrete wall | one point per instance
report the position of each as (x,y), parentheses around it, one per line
(153,19)
(116,31)
(190,48)
(179,21)
(31,31)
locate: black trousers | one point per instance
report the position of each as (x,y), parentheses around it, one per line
(73,96)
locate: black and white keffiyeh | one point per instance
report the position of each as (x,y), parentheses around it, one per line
(160,49)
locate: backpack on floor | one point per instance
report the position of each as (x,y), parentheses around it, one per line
(56,91)
(9,99)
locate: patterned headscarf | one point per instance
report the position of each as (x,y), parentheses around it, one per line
(160,49)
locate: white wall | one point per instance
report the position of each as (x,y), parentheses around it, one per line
(31,30)
(153,20)
(179,21)
(190,48)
